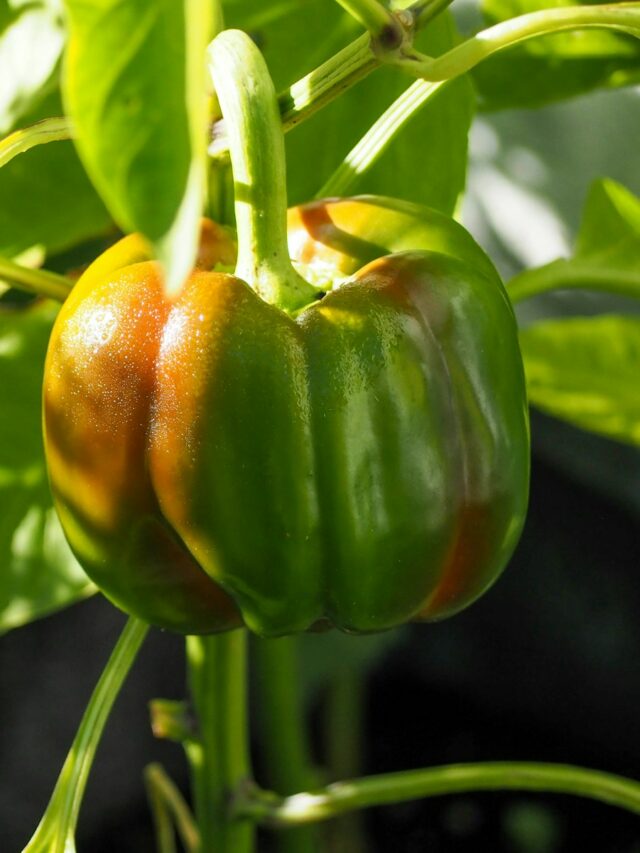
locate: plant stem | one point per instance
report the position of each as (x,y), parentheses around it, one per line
(343,797)
(40,282)
(169,808)
(345,741)
(219,758)
(56,831)
(378,138)
(249,106)
(621,16)
(381,23)
(339,73)
(564,274)
(286,750)
(47,130)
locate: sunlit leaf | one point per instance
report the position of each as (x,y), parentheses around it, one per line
(135,88)
(31,41)
(607,253)
(586,370)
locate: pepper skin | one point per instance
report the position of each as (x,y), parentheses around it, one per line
(215,461)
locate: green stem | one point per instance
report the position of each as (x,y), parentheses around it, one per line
(378,138)
(562,274)
(284,739)
(426,10)
(337,75)
(381,23)
(47,130)
(56,831)
(169,808)
(624,17)
(346,741)
(250,109)
(219,757)
(389,788)
(40,282)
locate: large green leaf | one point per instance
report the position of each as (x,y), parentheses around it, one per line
(553,67)
(39,573)
(425,163)
(585,370)
(31,41)
(135,89)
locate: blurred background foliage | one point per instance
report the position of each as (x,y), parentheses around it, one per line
(547,665)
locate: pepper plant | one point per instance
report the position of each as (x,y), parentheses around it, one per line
(285,420)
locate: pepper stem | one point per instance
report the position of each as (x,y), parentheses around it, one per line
(249,105)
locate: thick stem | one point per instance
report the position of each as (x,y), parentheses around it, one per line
(250,109)
(284,739)
(56,831)
(219,757)
(390,788)
(40,282)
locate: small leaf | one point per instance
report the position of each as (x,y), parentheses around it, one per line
(31,40)
(555,67)
(39,573)
(585,370)
(610,224)
(607,254)
(135,89)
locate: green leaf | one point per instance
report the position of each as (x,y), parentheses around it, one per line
(31,40)
(610,228)
(39,573)
(46,200)
(425,163)
(585,370)
(135,88)
(607,253)
(552,68)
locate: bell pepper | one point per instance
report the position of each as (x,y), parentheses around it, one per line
(354,453)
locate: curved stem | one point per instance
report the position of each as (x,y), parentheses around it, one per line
(436,781)
(249,106)
(48,130)
(40,282)
(219,757)
(286,750)
(56,831)
(378,138)
(621,16)
(562,274)
(169,807)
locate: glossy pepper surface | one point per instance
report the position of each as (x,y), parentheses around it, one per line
(359,463)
